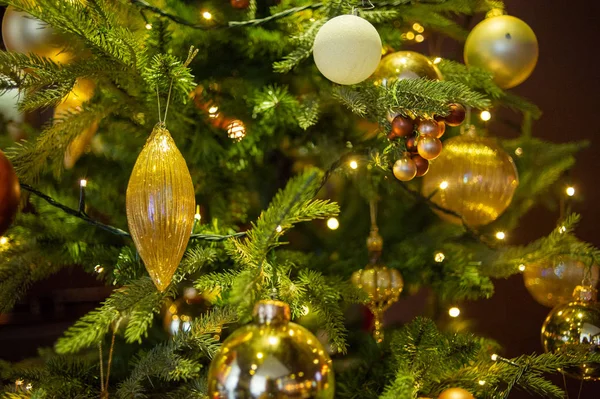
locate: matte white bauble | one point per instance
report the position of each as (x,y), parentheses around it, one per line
(347,49)
(9,106)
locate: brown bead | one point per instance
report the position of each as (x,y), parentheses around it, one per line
(240,3)
(442,127)
(411,144)
(456,115)
(10,193)
(405,169)
(402,126)
(422,165)
(429,127)
(429,147)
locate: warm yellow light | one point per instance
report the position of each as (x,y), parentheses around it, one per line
(236,130)
(454,311)
(570,191)
(279,229)
(83,183)
(98,269)
(439,257)
(410,35)
(3,240)
(519,151)
(562,229)
(148,26)
(437,60)
(213,109)
(494,357)
(500,235)
(485,116)
(259,355)
(444,185)
(198,216)
(28,387)
(333,224)
(305,310)
(206,15)
(419,38)
(481,382)
(417,26)
(353,164)
(273,340)
(522,268)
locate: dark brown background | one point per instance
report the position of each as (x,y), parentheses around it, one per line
(565,85)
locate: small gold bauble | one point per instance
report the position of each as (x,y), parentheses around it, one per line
(405,65)
(271,358)
(405,169)
(551,282)
(383,286)
(505,46)
(25,34)
(456,393)
(473,177)
(574,327)
(429,147)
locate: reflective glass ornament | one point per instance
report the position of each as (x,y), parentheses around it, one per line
(405,65)
(271,358)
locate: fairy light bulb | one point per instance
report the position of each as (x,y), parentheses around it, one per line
(500,235)
(148,26)
(3,240)
(353,164)
(570,191)
(207,15)
(437,60)
(522,268)
(444,185)
(454,311)
(439,257)
(485,116)
(333,223)
(83,183)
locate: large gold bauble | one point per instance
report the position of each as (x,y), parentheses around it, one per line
(551,282)
(473,177)
(405,65)
(271,358)
(383,286)
(574,327)
(160,206)
(456,393)
(505,46)
(25,34)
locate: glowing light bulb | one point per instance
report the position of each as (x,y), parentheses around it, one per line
(207,15)
(213,110)
(305,310)
(410,35)
(562,229)
(333,223)
(481,382)
(444,185)
(279,229)
(437,60)
(519,151)
(522,268)
(494,357)
(419,38)
(260,355)
(198,216)
(148,26)
(500,235)
(439,257)
(83,183)
(353,164)
(416,26)
(485,116)
(236,130)
(454,311)
(98,269)
(570,191)
(3,240)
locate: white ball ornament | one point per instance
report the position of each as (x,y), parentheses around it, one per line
(347,49)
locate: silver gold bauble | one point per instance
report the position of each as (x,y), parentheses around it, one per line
(574,328)
(404,169)
(505,46)
(473,177)
(25,34)
(552,281)
(271,358)
(405,65)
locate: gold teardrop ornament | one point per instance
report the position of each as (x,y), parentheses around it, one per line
(160,206)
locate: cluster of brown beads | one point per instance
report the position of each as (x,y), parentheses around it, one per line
(422,139)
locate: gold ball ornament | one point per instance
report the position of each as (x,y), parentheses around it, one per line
(574,327)
(456,393)
(405,65)
(383,286)
(429,147)
(551,282)
(347,49)
(505,46)
(271,358)
(25,34)
(405,169)
(473,177)
(160,203)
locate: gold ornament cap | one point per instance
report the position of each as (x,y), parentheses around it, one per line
(269,312)
(585,293)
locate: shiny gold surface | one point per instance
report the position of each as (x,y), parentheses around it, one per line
(405,65)
(574,327)
(552,282)
(404,169)
(266,359)
(180,313)
(383,286)
(160,206)
(456,393)
(505,46)
(22,33)
(474,177)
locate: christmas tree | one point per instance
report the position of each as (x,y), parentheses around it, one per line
(220,166)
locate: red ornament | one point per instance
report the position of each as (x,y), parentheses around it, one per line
(429,127)
(422,165)
(402,126)
(411,144)
(456,115)
(10,193)
(240,3)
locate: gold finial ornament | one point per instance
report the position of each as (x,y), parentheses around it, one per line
(574,327)
(160,206)
(381,284)
(271,358)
